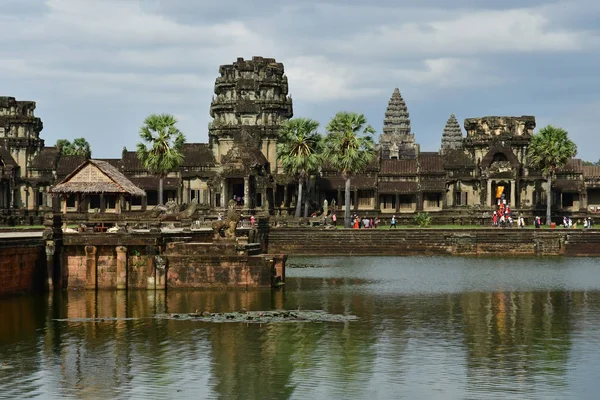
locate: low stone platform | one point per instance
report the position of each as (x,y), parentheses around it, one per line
(431,241)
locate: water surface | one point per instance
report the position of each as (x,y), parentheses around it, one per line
(429,327)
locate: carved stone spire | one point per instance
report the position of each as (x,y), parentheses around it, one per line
(396,141)
(452,136)
(396,116)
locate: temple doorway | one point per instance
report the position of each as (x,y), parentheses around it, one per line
(236,190)
(501,190)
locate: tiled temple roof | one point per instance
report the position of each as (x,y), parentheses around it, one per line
(398,167)
(431,163)
(398,187)
(46,159)
(197,155)
(7,158)
(68,164)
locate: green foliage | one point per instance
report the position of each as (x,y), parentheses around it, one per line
(300,147)
(349,148)
(79,147)
(160,151)
(423,219)
(551,149)
(349,144)
(300,150)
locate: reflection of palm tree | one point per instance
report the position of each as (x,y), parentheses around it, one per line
(535,327)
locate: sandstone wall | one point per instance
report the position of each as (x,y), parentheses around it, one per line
(22,266)
(307,241)
(96,267)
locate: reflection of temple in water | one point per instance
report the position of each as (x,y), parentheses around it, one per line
(514,336)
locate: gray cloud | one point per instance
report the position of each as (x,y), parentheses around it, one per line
(98,67)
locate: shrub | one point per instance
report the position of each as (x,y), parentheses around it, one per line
(423,219)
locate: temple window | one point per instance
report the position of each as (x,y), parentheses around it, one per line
(461,198)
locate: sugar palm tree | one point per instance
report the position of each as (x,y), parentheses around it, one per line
(550,150)
(299,151)
(161,152)
(79,147)
(349,148)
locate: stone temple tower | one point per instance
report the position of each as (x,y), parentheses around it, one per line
(20,136)
(397,141)
(452,136)
(250,105)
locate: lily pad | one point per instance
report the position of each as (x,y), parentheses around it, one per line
(261,317)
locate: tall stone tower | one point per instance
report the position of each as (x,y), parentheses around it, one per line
(250,105)
(452,136)
(20,136)
(397,141)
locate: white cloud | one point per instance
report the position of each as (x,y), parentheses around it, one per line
(466,33)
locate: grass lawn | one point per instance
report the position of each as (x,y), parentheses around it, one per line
(19,227)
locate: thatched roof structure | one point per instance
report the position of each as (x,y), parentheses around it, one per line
(94,177)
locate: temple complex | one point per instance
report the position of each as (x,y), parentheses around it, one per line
(238,166)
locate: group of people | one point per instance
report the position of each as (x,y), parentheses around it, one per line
(502,217)
(568,223)
(367,223)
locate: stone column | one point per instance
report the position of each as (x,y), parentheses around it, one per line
(489,193)
(285,195)
(356,200)
(513,190)
(339,199)
(36,197)
(91,271)
(226,196)
(144,203)
(50,249)
(64,204)
(397,203)
(160,268)
(419,198)
(102,203)
(246,193)
(78,202)
(121,267)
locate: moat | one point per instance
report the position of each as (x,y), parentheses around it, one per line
(428,327)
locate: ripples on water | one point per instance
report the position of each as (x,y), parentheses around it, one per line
(429,328)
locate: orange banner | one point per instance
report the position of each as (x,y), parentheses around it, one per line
(499,191)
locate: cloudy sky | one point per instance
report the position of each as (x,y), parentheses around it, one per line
(97,67)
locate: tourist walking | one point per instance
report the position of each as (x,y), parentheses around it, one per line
(393,222)
(334,219)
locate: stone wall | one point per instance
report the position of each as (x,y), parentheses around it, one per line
(311,241)
(22,266)
(194,265)
(107,267)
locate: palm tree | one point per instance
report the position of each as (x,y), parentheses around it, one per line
(550,150)
(165,142)
(349,148)
(79,147)
(299,151)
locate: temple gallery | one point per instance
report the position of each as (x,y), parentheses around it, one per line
(250,102)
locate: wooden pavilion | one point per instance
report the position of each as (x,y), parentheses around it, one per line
(96,186)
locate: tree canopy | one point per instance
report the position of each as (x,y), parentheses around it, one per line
(551,149)
(300,151)
(349,145)
(79,147)
(160,149)
(349,148)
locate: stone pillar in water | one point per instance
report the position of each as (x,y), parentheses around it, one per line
(121,267)
(91,271)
